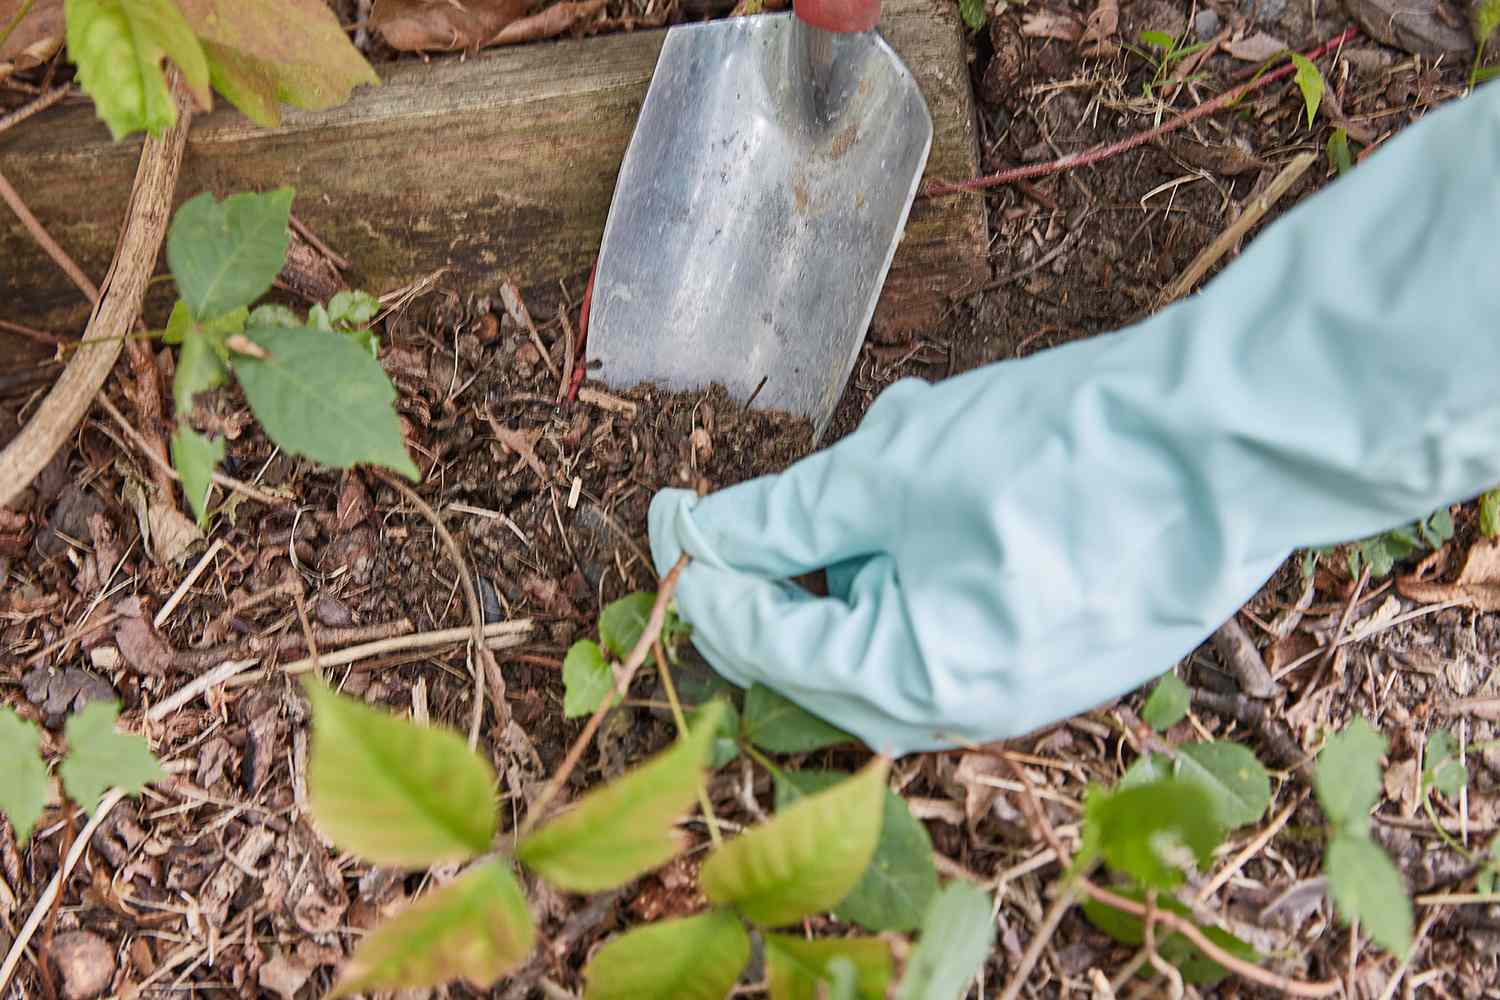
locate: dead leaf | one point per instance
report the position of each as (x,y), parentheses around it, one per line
(548,23)
(1050,24)
(1477,584)
(36,37)
(283,976)
(1255,48)
(1400,781)
(273,51)
(86,961)
(443,26)
(1098,40)
(979,796)
(140,645)
(172,534)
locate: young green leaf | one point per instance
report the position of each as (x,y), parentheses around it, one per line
(1168,703)
(587,679)
(973,13)
(1489,504)
(1441,768)
(199,365)
(901,880)
(1368,888)
(274,314)
(1158,40)
(224,255)
(1229,772)
(1310,82)
(1150,831)
(797,969)
(195,458)
(1486,18)
(270,51)
(23,782)
(726,746)
(352,310)
(1338,151)
(773,723)
(807,858)
(118,47)
(693,958)
(957,934)
(1347,778)
(627,826)
(622,622)
(321,396)
(476,929)
(1148,767)
(100,757)
(1196,967)
(391,791)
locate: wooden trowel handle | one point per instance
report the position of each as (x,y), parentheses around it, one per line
(841,16)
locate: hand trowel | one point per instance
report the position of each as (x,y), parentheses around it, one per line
(758,207)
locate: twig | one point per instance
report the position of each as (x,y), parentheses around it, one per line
(1250,850)
(487,668)
(1332,648)
(198,685)
(187,582)
(337,260)
(54,888)
(510,633)
(935,188)
(568,350)
(623,677)
(1416,943)
(1236,231)
(44,953)
(665,672)
(46,242)
(1039,940)
(40,336)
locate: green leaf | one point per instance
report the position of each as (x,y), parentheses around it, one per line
(797,968)
(352,309)
(1486,15)
(23,782)
(694,958)
(100,757)
(1150,831)
(587,679)
(273,314)
(1147,768)
(622,622)
(224,255)
(957,934)
(806,859)
(1441,767)
(1158,40)
(200,363)
(277,51)
(118,47)
(1168,703)
(476,929)
(1489,504)
(626,827)
(194,457)
(391,791)
(901,880)
(1347,778)
(322,397)
(773,723)
(1196,967)
(1238,784)
(1338,151)
(726,746)
(973,13)
(840,980)
(1368,888)
(1310,82)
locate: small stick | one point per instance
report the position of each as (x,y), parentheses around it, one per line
(623,677)
(1236,231)
(1010,176)
(197,686)
(665,673)
(187,581)
(47,243)
(40,336)
(1251,850)
(337,260)
(1039,941)
(511,632)
(568,348)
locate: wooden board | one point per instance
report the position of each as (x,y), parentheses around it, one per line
(497,166)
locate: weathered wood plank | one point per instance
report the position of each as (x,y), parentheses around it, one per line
(496,166)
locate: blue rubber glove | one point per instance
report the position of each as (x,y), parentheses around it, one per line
(1033,538)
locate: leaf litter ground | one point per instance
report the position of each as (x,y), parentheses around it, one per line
(213,882)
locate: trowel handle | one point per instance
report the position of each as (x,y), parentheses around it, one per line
(839,16)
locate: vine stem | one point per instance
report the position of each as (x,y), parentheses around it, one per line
(623,677)
(936,188)
(704,802)
(1152,915)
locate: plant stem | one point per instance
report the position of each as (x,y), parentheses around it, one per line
(623,677)
(1088,156)
(764,762)
(704,802)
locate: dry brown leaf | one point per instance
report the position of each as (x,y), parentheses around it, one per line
(36,37)
(86,961)
(548,23)
(1050,24)
(1477,584)
(283,976)
(144,650)
(442,25)
(1098,40)
(1255,48)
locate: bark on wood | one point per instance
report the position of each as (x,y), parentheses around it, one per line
(497,166)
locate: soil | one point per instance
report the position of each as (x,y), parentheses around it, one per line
(215,881)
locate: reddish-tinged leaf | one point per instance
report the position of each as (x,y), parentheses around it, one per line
(437,25)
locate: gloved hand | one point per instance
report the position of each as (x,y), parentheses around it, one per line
(1030,539)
